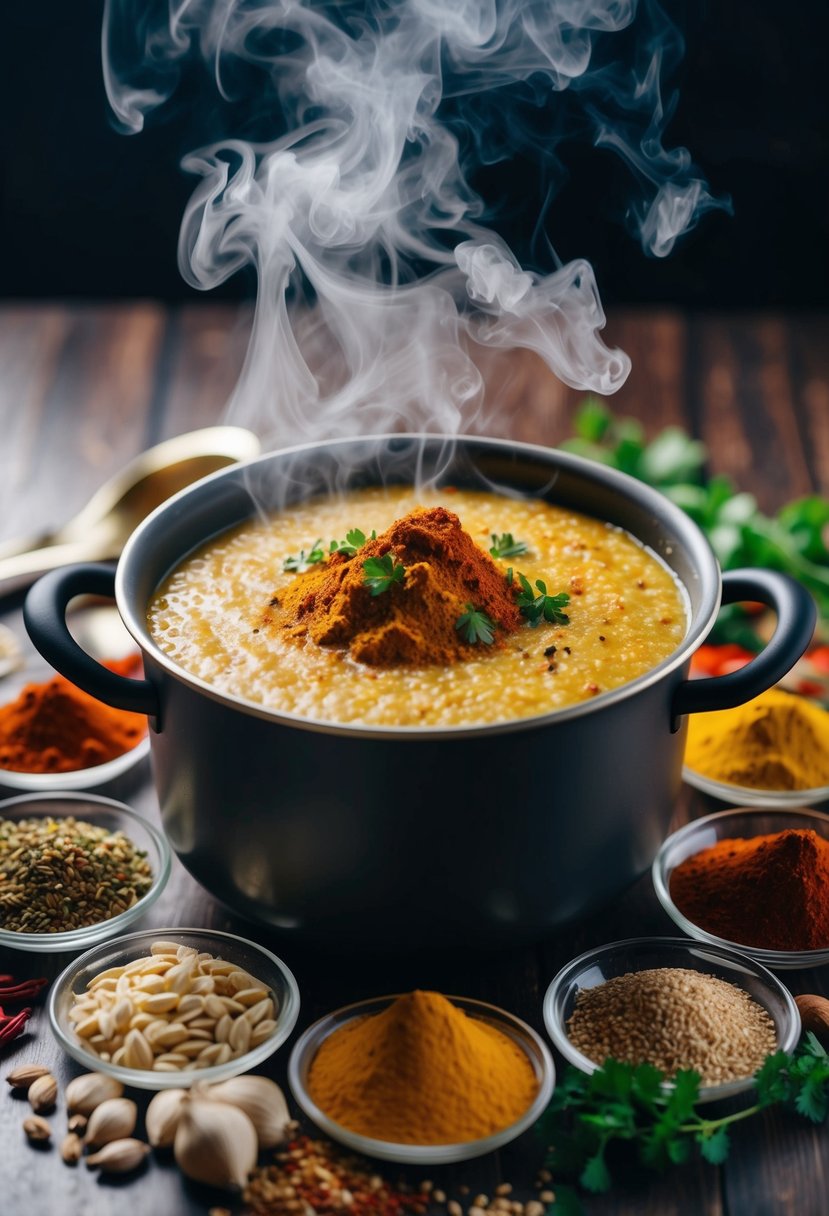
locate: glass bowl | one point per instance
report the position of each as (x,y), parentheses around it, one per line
(422,1154)
(641,953)
(741,795)
(702,834)
(79,778)
(247,955)
(105,813)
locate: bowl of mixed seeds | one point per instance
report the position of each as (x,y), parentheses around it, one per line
(675,1004)
(75,869)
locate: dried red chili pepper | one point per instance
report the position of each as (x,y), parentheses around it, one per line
(10,1028)
(12,991)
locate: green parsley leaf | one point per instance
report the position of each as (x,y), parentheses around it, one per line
(476,626)
(541,607)
(680,1104)
(506,546)
(596,1176)
(354,540)
(379,573)
(305,559)
(714,1146)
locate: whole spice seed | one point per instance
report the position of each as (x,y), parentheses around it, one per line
(61,874)
(162,1011)
(22,1077)
(37,1129)
(314,1175)
(673,1018)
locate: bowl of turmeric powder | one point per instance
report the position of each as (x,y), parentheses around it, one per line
(421,1078)
(753,879)
(772,751)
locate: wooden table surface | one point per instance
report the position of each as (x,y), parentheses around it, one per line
(83,389)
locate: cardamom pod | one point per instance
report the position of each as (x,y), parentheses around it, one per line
(37,1130)
(23,1076)
(215,1143)
(113,1120)
(89,1090)
(42,1093)
(262,1101)
(163,1114)
(71,1148)
(119,1156)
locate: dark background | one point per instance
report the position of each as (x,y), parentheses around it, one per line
(90,213)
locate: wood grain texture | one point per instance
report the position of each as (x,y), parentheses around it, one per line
(84,389)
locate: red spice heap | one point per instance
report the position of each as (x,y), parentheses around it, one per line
(55,727)
(414,621)
(770,891)
(315,1176)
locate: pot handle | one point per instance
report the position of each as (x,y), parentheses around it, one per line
(44,614)
(796,618)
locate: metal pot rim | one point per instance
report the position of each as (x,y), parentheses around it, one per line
(694,542)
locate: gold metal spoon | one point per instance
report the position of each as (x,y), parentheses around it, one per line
(100,530)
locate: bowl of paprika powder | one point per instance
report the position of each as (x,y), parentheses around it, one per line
(753,879)
(54,736)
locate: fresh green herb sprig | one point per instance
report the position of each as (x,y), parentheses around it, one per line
(506,546)
(305,559)
(794,540)
(380,573)
(626,1103)
(354,540)
(476,626)
(540,607)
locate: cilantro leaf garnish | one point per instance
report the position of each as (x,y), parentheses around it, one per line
(306,558)
(506,546)
(476,626)
(662,1124)
(354,540)
(541,607)
(380,572)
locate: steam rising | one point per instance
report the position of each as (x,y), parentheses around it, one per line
(377,279)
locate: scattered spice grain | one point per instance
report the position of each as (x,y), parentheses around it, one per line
(674,1018)
(315,1176)
(60,874)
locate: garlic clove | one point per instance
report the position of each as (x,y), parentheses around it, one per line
(37,1129)
(86,1092)
(119,1156)
(71,1148)
(262,1101)
(162,1117)
(114,1119)
(42,1093)
(215,1143)
(23,1076)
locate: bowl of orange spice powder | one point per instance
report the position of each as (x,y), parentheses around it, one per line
(753,879)
(54,736)
(421,1078)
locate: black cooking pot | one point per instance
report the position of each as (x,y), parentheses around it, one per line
(416,835)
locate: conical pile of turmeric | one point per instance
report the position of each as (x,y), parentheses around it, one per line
(777,741)
(422,1072)
(414,621)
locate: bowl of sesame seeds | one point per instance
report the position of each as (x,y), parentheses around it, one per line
(675,1004)
(75,869)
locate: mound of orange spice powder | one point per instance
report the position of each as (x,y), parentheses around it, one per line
(414,622)
(768,891)
(422,1072)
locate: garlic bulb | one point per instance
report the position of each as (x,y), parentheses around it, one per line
(112,1120)
(119,1156)
(262,1101)
(86,1092)
(163,1115)
(215,1143)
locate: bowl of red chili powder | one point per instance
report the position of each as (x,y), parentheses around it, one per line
(54,736)
(753,879)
